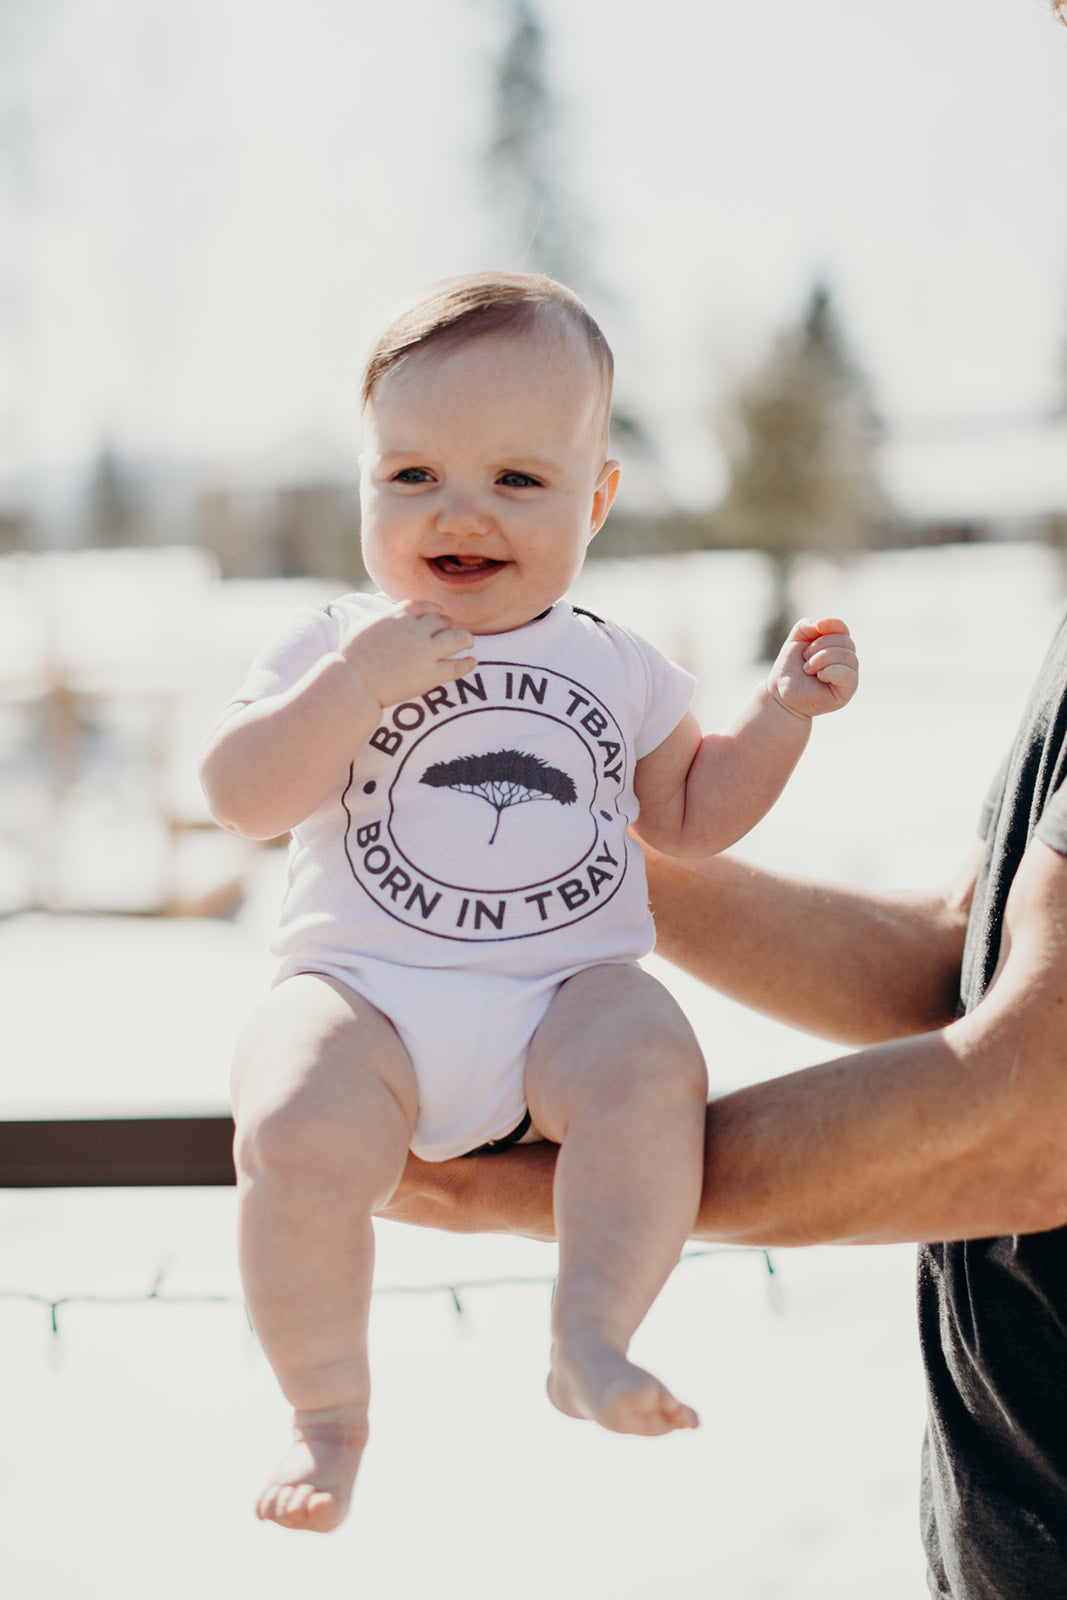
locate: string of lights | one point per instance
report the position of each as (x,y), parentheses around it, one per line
(454,1290)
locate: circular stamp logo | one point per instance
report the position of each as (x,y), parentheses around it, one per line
(488,808)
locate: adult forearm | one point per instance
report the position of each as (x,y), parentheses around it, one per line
(509,1192)
(838,962)
(924,1138)
(835,961)
(810,1159)
(955,1133)
(933,1137)
(944,1136)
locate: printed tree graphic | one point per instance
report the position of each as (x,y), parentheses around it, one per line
(503,778)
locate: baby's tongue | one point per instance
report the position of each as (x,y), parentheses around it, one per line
(466,562)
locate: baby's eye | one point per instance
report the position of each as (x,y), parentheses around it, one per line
(411,475)
(517,480)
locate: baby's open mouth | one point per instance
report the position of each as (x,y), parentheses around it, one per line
(452,566)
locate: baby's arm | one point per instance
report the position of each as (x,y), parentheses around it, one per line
(271,762)
(700,794)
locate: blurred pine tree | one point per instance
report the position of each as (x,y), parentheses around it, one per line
(800,437)
(522,158)
(546,230)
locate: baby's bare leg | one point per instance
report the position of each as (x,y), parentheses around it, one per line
(324,1101)
(615,1075)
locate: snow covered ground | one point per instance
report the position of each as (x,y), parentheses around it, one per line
(134,1440)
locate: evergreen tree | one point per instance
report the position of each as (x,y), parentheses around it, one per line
(522,157)
(800,437)
(524,166)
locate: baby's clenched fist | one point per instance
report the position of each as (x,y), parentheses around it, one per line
(407,651)
(817,669)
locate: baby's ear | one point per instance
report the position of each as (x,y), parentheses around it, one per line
(607,487)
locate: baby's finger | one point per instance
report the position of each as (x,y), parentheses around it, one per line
(418,608)
(831,655)
(829,641)
(813,628)
(839,676)
(450,640)
(458,667)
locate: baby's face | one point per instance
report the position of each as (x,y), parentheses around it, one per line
(483,476)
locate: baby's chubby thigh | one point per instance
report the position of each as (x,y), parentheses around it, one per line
(614,1042)
(322,1085)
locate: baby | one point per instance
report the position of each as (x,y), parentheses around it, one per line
(460,759)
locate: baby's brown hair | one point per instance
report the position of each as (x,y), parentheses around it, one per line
(478,303)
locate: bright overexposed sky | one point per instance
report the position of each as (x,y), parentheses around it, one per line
(208,206)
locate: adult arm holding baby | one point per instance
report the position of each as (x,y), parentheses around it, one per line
(927,1132)
(851,1150)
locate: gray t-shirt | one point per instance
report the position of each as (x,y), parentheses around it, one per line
(993,1312)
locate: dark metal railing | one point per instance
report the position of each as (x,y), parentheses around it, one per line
(116,1152)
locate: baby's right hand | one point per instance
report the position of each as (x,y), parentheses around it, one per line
(407,651)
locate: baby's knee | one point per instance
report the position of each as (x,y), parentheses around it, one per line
(291,1138)
(682,1068)
(663,1055)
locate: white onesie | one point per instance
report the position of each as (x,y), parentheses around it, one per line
(477,854)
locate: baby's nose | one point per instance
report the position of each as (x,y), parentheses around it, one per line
(463,514)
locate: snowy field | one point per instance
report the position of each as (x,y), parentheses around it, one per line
(134,1440)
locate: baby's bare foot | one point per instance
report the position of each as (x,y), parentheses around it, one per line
(591,1379)
(312,1484)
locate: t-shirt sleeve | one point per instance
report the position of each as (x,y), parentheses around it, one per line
(669,689)
(1052,829)
(293,649)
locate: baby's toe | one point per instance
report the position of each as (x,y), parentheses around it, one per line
(267,1505)
(298,1498)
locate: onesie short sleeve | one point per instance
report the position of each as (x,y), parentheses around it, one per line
(669,689)
(307,635)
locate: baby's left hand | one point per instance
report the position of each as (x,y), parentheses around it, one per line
(817,669)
